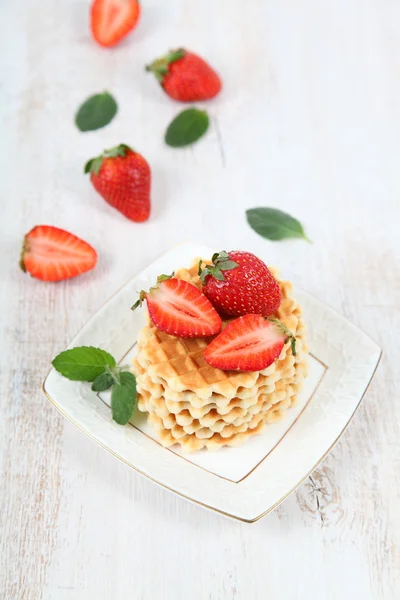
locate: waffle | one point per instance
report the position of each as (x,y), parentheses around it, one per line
(178,365)
(191,443)
(191,403)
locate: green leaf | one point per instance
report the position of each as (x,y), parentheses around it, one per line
(163,277)
(217,274)
(187,127)
(85,363)
(94,164)
(123,398)
(96,112)
(160,67)
(103,382)
(227,265)
(290,337)
(274,224)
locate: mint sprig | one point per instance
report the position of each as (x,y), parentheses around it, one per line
(87,363)
(103,382)
(221,262)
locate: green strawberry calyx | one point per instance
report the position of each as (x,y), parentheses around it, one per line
(94,164)
(143,294)
(290,337)
(221,261)
(24,250)
(160,67)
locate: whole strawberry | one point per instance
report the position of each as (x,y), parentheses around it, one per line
(186,77)
(239,283)
(122,176)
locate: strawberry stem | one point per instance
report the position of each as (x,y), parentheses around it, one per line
(221,262)
(24,249)
(160,67)
(94,164)
(143,294)
(290,337)
(114,372)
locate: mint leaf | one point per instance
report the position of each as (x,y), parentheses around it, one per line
(85,363)
(187,127)
(123,398)
(96,112)
(103,382)
(274,224)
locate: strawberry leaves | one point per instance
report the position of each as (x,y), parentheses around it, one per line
(221,262)
(189,126)
(143,293)
(87,363)
(160,67)
(96,112)
(275,224)
(94,164)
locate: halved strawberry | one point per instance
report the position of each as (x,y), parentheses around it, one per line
(179,308)
(249,343)
(52,254)
(111,20)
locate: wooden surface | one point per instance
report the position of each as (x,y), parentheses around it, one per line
(308,121)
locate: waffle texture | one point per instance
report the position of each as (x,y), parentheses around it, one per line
(190,403)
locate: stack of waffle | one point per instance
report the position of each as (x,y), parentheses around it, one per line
(192,404)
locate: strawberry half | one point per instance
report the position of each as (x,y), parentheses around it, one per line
(249,343)
(179,308)
(52,254)
(112,20)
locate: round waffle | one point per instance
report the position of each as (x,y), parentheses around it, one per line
(191,403)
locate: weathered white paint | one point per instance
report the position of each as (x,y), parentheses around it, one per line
(308,121)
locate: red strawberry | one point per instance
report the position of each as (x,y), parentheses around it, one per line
(52,254)
(238,283)
(111,20)
(122,176)
(249,343)
(185,76)
(179,308)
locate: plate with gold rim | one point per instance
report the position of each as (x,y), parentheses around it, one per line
(244,482)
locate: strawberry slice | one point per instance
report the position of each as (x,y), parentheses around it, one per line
(179,308)
(52,254)
(249,343)
(111,20)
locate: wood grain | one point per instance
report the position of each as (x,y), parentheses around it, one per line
(309,122)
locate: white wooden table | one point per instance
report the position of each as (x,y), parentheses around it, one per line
(309,121)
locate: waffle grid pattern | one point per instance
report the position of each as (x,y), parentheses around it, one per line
(190,403)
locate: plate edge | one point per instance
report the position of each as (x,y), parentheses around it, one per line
(207,506)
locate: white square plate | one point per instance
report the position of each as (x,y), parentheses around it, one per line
(245,482)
